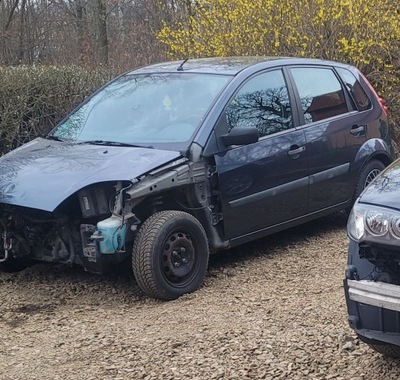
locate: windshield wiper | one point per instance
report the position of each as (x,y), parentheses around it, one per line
(113,143)
(55,138)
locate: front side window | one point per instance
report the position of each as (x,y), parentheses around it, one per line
(320,92)
(263,102)
(144,109)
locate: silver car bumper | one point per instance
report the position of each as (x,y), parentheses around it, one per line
(378,294)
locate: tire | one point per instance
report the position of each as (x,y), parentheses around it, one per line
(14,265)
(367,174)
(385,349)
(170,255)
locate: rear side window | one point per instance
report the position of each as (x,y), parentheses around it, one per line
(320,92)
(358,94)
(262,102)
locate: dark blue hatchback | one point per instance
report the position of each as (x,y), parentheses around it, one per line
(172,161)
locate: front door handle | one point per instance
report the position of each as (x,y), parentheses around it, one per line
(296,150)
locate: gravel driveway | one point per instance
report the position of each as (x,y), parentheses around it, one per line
(273,309)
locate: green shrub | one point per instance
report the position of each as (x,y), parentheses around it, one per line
(34,99)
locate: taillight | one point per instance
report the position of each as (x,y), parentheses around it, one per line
(383,105)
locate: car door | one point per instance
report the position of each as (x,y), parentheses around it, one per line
(264,183)
(334,132)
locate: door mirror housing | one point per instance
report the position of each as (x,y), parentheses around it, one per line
(240,136)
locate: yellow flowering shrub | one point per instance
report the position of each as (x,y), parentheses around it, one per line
(365,33)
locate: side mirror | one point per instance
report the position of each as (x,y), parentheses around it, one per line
(240,136)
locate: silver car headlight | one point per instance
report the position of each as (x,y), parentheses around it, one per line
(374,223)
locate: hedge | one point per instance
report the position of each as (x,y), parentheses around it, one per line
(34,99)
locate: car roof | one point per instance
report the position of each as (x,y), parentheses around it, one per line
(225,65)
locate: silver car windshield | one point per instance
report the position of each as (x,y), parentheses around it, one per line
(144,109)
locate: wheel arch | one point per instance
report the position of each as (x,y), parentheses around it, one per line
(373,149)
(205,213)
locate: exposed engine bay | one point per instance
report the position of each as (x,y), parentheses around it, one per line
(82,230)
(96,226)
(386,261)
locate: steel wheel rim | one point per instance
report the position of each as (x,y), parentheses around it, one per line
(178,258)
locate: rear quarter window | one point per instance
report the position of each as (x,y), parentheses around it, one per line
(360,97)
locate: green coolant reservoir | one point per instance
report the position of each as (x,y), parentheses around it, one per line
(113,231)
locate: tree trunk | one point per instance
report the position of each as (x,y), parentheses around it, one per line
(80,13)
(5,33)
(102,30)
(22,31)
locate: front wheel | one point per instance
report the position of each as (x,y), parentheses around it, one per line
(170,255)
(12,265)
(387,349)
(383,348)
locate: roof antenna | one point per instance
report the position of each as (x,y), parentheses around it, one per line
(180,68)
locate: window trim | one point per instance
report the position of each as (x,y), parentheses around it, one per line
(302,123)
(222,125)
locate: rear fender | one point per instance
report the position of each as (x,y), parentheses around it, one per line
(372,149)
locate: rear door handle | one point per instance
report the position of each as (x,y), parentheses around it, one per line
(357,130)
(296,150)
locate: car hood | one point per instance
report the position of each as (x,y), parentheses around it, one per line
(385,190)
(43,173)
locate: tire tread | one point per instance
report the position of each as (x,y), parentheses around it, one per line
(363,174)
(386,349)
(142,251)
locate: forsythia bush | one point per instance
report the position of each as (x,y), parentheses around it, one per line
(33,99)
(365,33)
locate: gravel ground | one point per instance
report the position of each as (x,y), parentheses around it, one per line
(273,309)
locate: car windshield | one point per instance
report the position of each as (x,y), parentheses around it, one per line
(143,109)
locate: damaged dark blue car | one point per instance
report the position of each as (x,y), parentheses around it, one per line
(170,162)
(372,283)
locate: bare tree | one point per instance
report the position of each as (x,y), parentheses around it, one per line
(101,18)
(120,34)
(8,12)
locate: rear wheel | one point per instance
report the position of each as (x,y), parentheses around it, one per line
(367,175)
(170,255)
